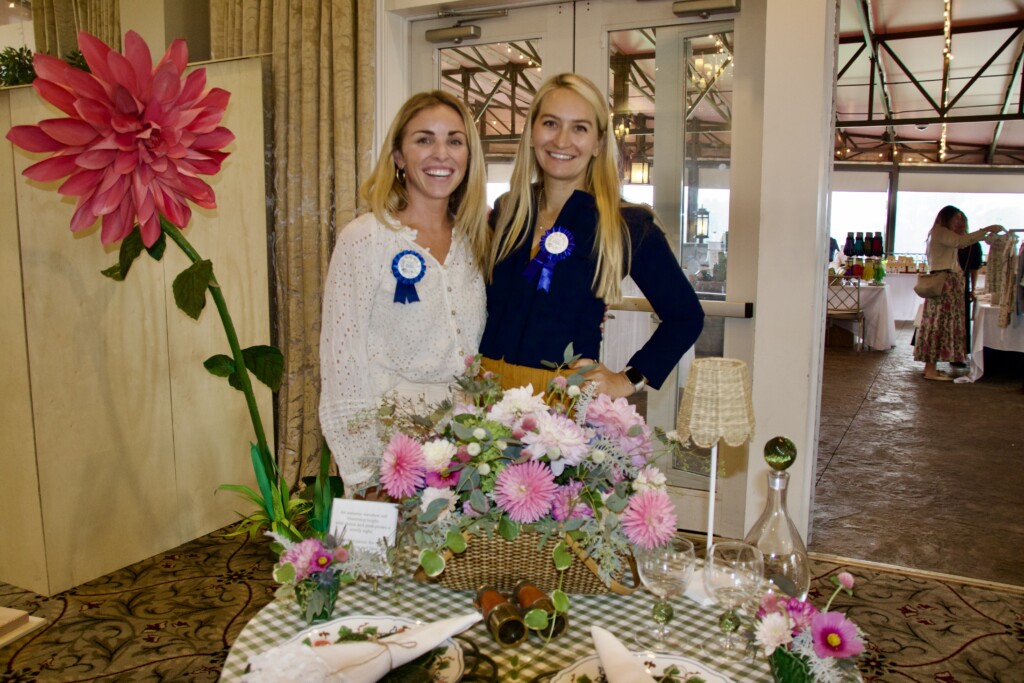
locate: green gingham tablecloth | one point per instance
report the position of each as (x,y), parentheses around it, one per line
(622,615)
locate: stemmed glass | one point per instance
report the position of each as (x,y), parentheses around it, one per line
(732,576)
(666,571)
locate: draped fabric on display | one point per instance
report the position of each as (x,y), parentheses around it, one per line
(57,23)
(321,94)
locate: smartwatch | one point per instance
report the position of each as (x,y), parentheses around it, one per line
(636,378)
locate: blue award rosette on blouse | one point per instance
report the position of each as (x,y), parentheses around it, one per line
(556,245)
(408,268)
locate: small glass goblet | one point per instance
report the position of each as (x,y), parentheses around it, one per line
(732,576)
(666,571)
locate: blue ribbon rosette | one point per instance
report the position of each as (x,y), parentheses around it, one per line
(408,268)
(556,245)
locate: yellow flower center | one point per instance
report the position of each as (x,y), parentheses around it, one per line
(834,640)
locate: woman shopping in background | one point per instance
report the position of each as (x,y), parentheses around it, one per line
(941,335)
(564,241)
(404,300)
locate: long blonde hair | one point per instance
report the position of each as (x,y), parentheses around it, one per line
(386,195)
(602,181)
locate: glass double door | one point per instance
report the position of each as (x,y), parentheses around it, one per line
(669,85)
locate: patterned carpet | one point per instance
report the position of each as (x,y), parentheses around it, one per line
(174,616)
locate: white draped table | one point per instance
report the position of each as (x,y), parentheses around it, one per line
(879,324)
(986,333)
(903,300)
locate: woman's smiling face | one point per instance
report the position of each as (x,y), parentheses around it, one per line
(565,137)
(434,153)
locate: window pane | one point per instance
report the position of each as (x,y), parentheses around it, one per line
(915,213)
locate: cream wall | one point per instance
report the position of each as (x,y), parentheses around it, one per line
(116,436)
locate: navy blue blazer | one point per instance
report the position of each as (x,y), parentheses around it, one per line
(527,325)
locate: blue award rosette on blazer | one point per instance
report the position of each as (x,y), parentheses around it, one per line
(556,245)
(408,268)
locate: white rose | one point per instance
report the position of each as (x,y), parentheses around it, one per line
(437,454)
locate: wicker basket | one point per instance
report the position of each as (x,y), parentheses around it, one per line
(501,563)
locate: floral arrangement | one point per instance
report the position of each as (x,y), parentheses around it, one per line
(803,644)
(134,141)
(566,463)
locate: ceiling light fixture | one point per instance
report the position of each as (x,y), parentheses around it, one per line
(704,8)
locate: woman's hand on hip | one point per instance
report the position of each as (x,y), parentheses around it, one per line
(615,384)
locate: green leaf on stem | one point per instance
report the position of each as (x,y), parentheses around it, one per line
(508,529)
(113,272)
(190,287)
(220,365)
(263,480)
(131,247)
(156,251)
(561,556)
(266,363)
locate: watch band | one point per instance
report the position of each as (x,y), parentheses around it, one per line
(636,378)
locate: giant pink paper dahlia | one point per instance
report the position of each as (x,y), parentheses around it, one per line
(135,140)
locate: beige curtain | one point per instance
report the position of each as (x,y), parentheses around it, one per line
(57,23)
(322,90)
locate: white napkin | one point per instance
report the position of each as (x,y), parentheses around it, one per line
(695,590)
(352,662)
(620,665)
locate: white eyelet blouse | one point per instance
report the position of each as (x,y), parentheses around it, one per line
(371,345)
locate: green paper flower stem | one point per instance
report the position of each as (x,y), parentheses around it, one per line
(178,238)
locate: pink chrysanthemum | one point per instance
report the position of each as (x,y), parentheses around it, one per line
(618,420)
(135,140)
(836,636)
(307,556)
(800,613)
(525,491)
(649,519)
(402,468)
(568,504)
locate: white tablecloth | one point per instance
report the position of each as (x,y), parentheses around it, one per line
(903,300)
(987,333)
(879,324)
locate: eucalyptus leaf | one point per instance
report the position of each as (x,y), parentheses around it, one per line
(536,619)
(455,541)
(561,556)
(616,503)
(478,501)
(433,510)
(433,564)
(569,356)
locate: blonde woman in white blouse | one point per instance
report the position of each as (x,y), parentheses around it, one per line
(404,301)
(941,335)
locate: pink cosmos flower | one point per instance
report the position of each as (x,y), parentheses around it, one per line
(618,420)
(845,580)
(525,491)
(402,468)
(567,503)
(136,138)
(834,635)
(649,519)
(446,478)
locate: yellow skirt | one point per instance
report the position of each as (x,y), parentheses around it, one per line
(513,376)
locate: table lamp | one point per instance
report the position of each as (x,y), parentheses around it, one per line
(716,406)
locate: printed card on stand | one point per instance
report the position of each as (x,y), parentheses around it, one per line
(363,523)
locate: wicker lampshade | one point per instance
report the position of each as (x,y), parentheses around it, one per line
(716,403)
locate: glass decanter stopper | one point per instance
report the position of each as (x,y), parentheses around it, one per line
(774,534)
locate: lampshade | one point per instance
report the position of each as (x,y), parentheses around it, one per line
(716,403)
(703,217)
(639,173)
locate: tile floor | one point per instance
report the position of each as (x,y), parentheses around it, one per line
(921,474)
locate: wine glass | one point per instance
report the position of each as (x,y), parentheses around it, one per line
(732,576)
(666,571)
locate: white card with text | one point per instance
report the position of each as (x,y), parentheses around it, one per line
(364,522)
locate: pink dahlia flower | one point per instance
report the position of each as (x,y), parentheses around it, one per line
(649,519)
(558,438)
(618,420)
(525,491)
(136,138)
(836,636)
(402,468)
